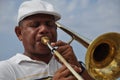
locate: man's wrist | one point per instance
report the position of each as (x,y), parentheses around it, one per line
(82,67)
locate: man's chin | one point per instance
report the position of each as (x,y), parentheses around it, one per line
(44,51)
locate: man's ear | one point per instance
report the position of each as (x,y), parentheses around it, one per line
(18,32)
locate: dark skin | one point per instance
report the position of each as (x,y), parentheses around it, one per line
(30,31)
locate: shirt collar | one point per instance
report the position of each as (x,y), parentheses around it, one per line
(19,57)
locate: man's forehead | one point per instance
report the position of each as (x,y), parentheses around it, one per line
(41,16)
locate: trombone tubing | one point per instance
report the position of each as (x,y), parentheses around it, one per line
(81,39)
(64,62)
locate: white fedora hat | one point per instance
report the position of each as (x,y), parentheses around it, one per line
(35,7)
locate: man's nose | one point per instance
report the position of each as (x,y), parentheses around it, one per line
(43,29)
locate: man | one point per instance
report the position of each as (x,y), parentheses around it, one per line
(36,19)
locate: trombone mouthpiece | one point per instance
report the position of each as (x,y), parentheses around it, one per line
(45,40)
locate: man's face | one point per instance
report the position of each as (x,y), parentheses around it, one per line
(33,28)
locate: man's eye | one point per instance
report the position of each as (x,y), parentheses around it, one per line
(50,24)
(36,24)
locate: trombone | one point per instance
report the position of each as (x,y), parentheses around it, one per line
(102,57)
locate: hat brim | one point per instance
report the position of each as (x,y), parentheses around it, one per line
(55,14)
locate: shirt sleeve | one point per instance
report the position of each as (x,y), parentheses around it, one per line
(6,72)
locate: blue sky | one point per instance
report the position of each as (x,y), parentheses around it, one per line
(89,18)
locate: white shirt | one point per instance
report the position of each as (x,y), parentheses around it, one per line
(21,67)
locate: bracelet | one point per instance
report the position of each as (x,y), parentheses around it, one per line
(82,67)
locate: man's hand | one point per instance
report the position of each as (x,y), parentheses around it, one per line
(67,52)
(64,74)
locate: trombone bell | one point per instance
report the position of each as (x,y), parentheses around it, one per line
(103,57)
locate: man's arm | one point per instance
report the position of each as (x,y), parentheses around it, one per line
(67,52)
(5,71)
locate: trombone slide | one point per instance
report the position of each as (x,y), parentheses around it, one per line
(45,41)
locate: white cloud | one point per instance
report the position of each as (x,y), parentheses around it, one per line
(84,3)
(8,15)
(72,5)
(103,14)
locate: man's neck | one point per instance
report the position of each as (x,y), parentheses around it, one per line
(40,57)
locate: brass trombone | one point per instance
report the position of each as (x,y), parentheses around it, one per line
(103,54)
